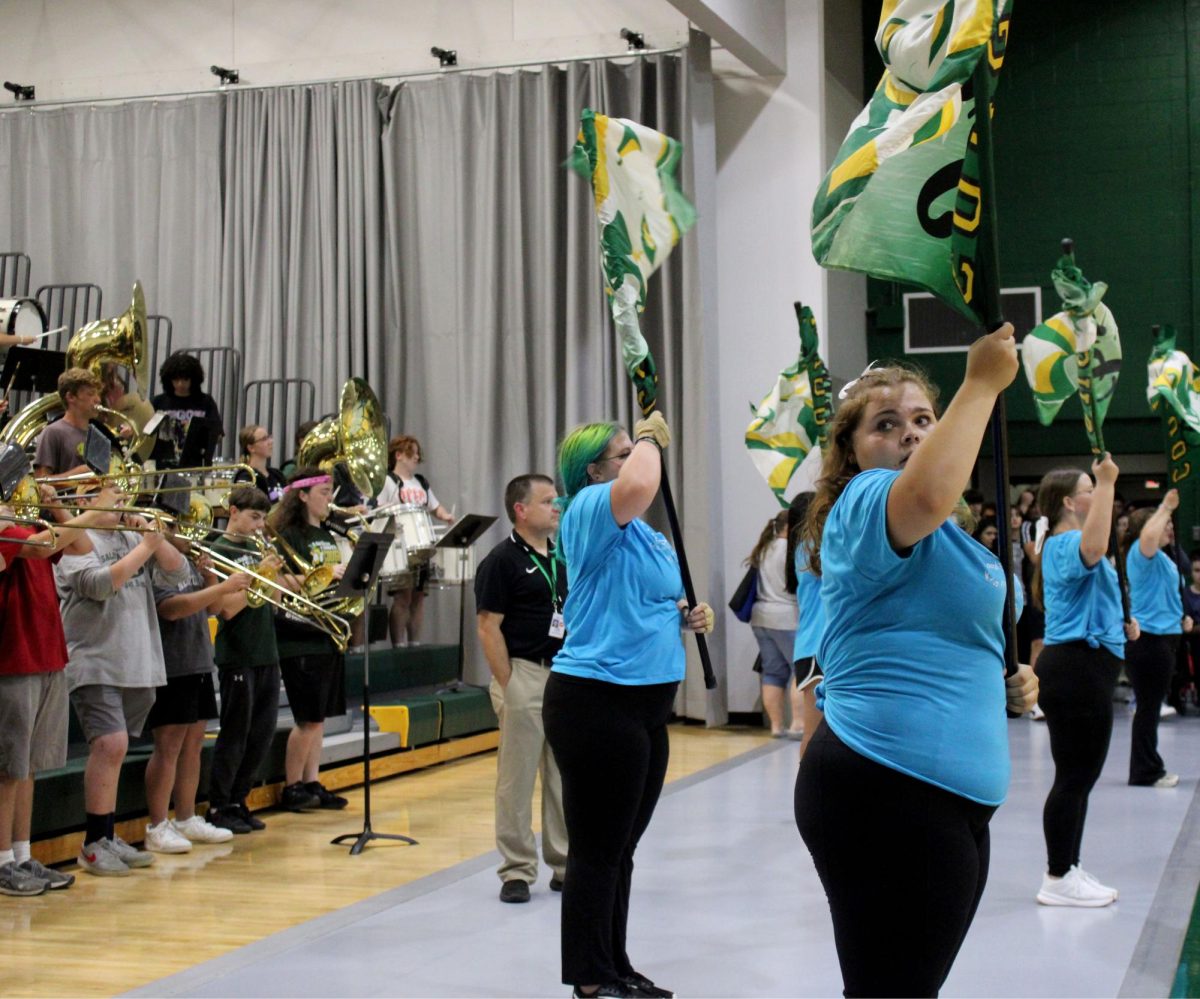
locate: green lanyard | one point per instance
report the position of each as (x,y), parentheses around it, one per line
(550,577)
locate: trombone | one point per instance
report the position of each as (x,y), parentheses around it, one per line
(132,472)
(271,591)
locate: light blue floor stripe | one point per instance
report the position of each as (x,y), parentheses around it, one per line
(726,902)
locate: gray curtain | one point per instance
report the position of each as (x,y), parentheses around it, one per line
(495,307)
(301,259)
(112,193)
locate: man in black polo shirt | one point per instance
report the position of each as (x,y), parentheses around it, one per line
(520,589)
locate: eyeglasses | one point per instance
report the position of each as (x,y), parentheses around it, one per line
(620,456)
(259,440)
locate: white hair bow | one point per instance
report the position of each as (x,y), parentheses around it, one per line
(850,384)
(1040,529)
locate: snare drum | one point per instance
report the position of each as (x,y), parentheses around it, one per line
(415,526)
(22,317)
(396,572)
(454,565)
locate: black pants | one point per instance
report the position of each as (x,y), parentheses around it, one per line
(1149,661)
(249,711)
(1076,690)
(903,864)
(610,743)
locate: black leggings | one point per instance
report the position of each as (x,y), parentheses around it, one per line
(1149,661)
(903,864)
(1076,690)
(610,743)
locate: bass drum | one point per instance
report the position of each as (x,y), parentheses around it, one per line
(22,317)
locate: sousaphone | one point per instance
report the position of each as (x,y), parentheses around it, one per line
(355,438)
(121,339)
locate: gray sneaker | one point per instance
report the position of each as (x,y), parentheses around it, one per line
(130,855)
(14,881)
(98,858)
(54,879)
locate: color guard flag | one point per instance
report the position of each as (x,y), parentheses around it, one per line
(793,419)
(1173,391)
(903,200)
(1076,351)
(642,216)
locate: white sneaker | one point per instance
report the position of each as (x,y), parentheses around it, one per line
(1166,711)
(1166,780)
(163,838)
(1073,889)
(1095,882)
(197,830)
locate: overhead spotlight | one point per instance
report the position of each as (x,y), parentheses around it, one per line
(20,90)
(226,76)
(447,57)
(636,40)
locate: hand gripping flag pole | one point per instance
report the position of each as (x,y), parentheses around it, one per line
(642,215)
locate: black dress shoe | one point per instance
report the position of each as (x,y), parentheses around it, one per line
(645,987)
(619,989)
(253,821)
(556,884)
(325,797)
(515,890)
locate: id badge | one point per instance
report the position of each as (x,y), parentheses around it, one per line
(558,627)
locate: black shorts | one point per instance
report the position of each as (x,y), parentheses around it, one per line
(808,672)
(315,685)
(185,700)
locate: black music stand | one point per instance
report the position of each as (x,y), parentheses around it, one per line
(359,579)
(97,449)
(32,369)
(460,537)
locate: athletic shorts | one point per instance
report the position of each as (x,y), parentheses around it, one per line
(103,709)
(185,700)
(315,685)
(808,672)
(33,723)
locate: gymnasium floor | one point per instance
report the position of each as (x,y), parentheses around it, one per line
(725,903)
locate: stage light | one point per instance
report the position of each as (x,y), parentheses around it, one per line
(636,40)
(21,91)
(446,57)
(226,76)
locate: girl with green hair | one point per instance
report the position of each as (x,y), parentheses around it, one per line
(612,688)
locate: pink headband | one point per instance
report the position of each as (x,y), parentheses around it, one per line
(316,480)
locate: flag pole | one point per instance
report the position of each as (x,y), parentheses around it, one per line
(989,260)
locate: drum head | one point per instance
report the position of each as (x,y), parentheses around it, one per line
(22,317)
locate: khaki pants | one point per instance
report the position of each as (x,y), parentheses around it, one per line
(524,753)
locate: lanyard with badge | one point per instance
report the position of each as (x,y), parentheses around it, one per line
(558,627)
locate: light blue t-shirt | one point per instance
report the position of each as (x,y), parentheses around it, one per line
(1082,603)
(623,622)
(1154,599)
(812,608)
(913,650)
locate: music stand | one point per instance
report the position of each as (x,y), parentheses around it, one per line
(97,450)
(460,537)
(38,369)
(359,579)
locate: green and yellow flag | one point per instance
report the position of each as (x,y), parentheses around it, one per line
(1173,391)
(642,215)
(793,419)
(904,200)
(1077,350)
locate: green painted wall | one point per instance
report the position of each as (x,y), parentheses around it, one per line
(1098,138)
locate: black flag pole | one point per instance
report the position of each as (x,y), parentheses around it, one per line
(989,267)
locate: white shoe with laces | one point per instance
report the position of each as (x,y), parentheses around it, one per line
(1095,882)
(1073,889)
(197,830)
(1166,780)
(163,838)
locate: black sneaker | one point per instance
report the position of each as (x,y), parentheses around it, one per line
(556,884)
(645,987)
(515,890)
(227,818)
(324,796)
(253,821)
(298,798)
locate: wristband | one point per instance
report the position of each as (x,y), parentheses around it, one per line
(649,439)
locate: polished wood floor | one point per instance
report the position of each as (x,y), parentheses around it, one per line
(107,935)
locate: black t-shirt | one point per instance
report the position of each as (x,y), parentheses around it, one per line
(273,483)
(512,581)
(197,406)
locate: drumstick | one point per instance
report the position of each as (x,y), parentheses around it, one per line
(42,336)
(8,389)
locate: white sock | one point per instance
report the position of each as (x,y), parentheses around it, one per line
(21,851)
(6,857)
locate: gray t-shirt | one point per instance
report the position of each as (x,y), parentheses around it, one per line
(186,642)
(60,447)
(112,634)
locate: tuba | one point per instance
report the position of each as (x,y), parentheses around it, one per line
(356,438)
(121,339)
